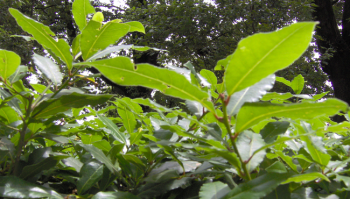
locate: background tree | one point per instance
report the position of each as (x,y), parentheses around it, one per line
(195,31)
(333,41)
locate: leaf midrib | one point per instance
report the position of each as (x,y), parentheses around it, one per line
(262,59)
(280,111)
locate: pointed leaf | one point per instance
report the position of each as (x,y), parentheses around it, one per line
(135,26)
(43,34)
(252,113)
(247,143)
(258,187)
(90,174)
(123,72)
(128,117)
(306,177)
(298,84)
(13,187)
(284,81)
(73,162)
(9,61)
(277,167)
(108,51)
(250,94)
(49,68)
(210,77)
(19,74)
(100,156)
(65,102)
(94,38)
(263,54)
(114,129)
(81,8)
(214,190)
(270,132)
(32,170)
(8,115)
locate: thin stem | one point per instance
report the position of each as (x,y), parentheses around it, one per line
(226,122)
(21,141)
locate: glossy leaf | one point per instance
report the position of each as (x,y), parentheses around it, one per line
(103,145)
(32,170)
(195,107)
(250,94)
(128,117)
(252,113)
(90,174)
(114,129)
(99,155)
(49,68)
(298,84)
(270,132)
(67,101)
(258,187)
(12,101)
(210,77)
(262,54)
(20,72)
(13,187)
(306,177)
(135,26)
(9,61)
(123,72)
(76,46)
(108,51)
(277,167)
(214,190)
(81,8)
(247,143)
(94,38)
(114,195)
(43,35)
(73,162)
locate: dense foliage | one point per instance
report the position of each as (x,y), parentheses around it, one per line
(239,141)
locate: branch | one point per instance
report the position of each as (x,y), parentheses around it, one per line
(346,22)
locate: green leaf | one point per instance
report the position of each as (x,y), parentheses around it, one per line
(89,138)
(123,72)
(43,34)
(114,195)
(13,187)
(304,178)
(128,117)
(81,8)
(298,84)
(277,167)
(250,94)
(114,129)
(67,101)
(99,155)
(9,61)
(287,159)
(270,132)
(49,68)
(284,81)
(76,46)
(135,26)
(252,113)
(90,174)
(195,107)
(32,170)
(151,104)
(11,100)
(314,145)
(107,51)
(214,190)
(258,187)
(20,72)
(94,38)
(103,145)
(247,143)
(263,54)
(73,162)
(8,114)
(210,77)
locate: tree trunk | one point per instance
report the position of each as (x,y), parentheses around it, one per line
(335,45)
